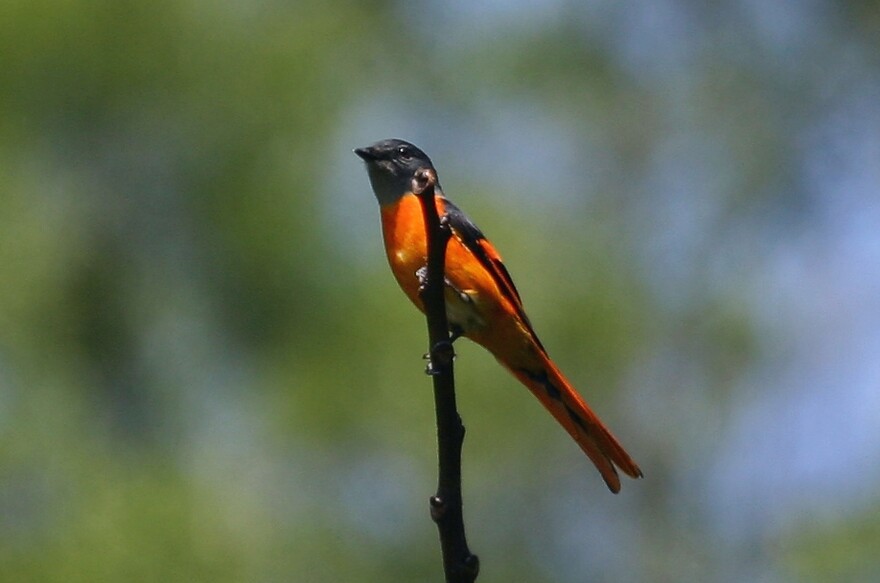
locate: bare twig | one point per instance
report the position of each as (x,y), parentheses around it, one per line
(459,564)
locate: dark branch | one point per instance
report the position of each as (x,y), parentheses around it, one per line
(459,564)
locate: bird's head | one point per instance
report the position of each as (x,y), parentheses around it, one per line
(391,165)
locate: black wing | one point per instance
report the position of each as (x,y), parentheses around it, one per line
(473,239)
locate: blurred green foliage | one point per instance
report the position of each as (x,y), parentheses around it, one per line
(206,372)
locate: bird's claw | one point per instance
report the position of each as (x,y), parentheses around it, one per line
(440,358)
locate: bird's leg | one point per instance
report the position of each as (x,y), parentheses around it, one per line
(443,349)
(443,353)
(422,276)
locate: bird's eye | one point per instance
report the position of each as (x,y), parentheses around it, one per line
(404,153)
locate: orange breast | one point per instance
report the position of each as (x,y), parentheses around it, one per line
(486,316)
(405,243)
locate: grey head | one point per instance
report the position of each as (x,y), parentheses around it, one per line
(391,165)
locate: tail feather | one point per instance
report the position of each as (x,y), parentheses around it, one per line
(569,409)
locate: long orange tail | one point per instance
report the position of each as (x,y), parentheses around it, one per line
(568,407)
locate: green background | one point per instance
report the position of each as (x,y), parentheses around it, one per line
(207,372)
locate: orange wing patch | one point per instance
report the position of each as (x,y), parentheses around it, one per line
(472,238)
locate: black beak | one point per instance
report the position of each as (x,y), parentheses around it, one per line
(366,154)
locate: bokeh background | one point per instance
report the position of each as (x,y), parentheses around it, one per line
(207,372)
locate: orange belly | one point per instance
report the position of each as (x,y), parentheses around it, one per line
(474,301)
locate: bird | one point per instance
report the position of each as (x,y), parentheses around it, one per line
(482,302)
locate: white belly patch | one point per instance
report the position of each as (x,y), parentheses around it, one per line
(462,310)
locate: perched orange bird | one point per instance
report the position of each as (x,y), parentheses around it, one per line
(481,301)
